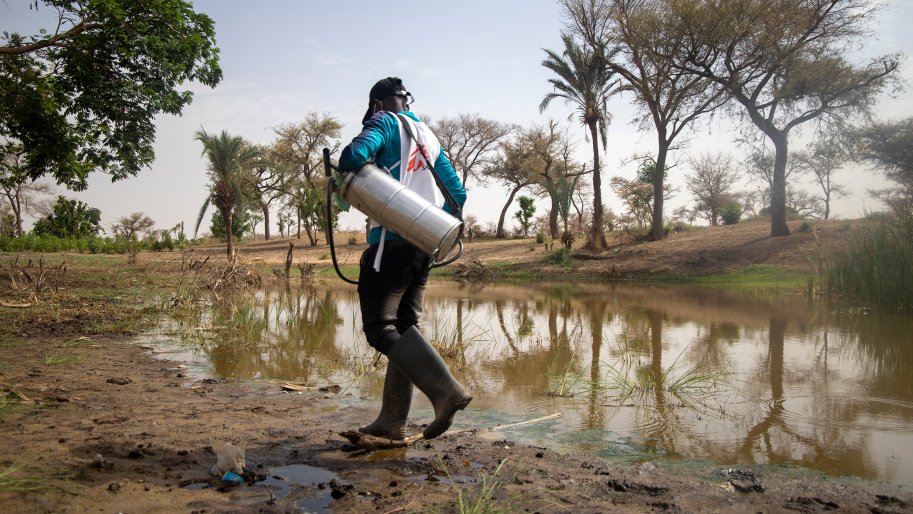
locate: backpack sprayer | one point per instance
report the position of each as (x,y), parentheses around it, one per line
(374,192)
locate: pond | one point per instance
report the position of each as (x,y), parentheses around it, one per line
(638,372)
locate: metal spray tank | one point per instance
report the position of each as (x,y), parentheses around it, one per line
(391,204)
(386,201)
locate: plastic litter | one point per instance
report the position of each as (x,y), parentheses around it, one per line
(228,458)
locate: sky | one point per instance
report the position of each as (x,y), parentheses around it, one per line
(285,58)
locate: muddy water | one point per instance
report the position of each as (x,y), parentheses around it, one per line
(638,372)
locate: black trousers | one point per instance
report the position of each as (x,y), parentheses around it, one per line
(391,299)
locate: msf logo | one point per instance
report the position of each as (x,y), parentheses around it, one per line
(416,160)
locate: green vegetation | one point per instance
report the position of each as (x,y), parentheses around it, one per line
(877,265)
(757,277)
(58,359)
(89,244)
(81,93)
(561,257)
(69,218)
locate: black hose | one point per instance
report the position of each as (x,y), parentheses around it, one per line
(328,171)
(330,184)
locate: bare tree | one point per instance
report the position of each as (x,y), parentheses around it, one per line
(784,62)
(470,140)
(710,181)
(22,192)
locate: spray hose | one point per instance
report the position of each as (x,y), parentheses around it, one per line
(331,186)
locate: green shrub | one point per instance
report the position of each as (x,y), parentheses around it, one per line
(732,213)
(540,237)
(561,257)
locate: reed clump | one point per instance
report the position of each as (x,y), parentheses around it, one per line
(877,264)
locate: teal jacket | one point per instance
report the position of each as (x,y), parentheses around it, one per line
(379,141)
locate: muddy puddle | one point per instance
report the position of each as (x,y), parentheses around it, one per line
(637,372)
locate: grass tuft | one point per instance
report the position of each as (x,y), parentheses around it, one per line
(58,359)
(16,479)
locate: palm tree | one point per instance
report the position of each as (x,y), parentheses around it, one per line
(229,156)
(585,80)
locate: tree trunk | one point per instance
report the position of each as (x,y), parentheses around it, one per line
(553,220)
(827,204)
(658,231)
(499,233)
(298,215)
(597,236)
(229,247)
(778,226)
(265,209)
(311,233)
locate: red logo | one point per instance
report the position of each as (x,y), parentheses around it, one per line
(417,160)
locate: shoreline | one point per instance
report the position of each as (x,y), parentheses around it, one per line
(156,436)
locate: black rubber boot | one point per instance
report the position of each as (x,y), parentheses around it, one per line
(394,409)
(427,370)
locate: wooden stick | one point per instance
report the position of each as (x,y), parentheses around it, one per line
(15,305)
(297,386)
(366,442)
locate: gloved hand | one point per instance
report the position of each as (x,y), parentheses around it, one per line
(341,204)
(338,178)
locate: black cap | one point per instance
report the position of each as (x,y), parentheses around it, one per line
(383,88)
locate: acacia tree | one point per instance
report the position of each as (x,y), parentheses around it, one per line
(711,181)
(638,194)
(20,190)
(784,63)
(889,146)
(825,156)
(128,227)
(229,157)
(82,95)
(585,80)
(669,100)
(469,140)
(265,182)
(514,165)
(298,150)
(552,148)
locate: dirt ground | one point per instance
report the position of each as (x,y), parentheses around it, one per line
(91,421)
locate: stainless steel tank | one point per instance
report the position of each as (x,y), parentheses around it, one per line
(391,204)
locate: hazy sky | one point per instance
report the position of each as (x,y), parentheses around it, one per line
(283,59)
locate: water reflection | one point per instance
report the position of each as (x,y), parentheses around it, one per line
(648,371)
